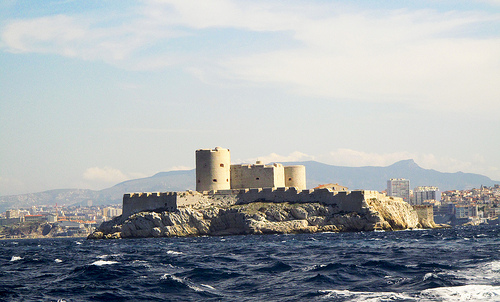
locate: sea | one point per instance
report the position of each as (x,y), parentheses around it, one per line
(456,264)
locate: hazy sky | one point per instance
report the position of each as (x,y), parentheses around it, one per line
(96,92)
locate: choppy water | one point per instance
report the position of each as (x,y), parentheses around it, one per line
(460,264)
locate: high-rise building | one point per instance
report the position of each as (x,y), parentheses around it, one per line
(421,194)
(399,187)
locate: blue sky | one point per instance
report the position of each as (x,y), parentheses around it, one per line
(97,92)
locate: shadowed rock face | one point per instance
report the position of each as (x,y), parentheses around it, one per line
(261,218)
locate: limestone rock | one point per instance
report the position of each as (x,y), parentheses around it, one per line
(262,218)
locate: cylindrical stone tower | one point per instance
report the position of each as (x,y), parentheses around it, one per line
(213,169)
(295,176)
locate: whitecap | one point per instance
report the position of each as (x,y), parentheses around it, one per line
(430,275)
(452,294)
(190,284)
(207,286)
(346,295)
(471,292)
(78,242)
(58,260)
(15,258)
(106,256)
(481,274)
(174,253)
(103,262)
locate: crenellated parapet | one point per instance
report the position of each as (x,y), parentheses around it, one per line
(349,201)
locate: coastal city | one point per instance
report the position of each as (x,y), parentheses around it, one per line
(63,221)
(453,207)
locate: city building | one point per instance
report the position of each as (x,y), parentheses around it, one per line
(399,187)
(422,194)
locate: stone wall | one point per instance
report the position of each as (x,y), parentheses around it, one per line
(353,201)
(257,176)
(425,215)
(213,169)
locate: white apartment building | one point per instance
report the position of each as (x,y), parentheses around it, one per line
(399,187)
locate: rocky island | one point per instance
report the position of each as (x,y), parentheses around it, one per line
(256,199)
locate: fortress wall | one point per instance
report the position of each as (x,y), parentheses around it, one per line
(425,213)
(257,176)
(295,176)
(354,201)
(136,202)
(213,169)
(190,198)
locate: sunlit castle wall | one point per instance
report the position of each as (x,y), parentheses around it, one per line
(257,176)
(213,168)
(295,176)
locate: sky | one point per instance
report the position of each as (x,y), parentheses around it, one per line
(96,92)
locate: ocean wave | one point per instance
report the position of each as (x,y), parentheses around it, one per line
(485,273)
(445,294)
(186,283)
(462,293)
(346,295)
(103,262)
(174,253)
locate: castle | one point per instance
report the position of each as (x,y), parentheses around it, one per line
(218,181)
(214,172)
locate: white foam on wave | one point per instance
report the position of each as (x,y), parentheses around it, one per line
(462,293)
(190,284)
(58,260)
(448,294)
(484,274)
(15,258)
(346,295)
(103,262)
(106,256)
(207,286)
(174,253)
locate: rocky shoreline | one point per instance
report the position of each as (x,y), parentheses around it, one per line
(263,218)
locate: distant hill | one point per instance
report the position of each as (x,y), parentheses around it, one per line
(368,178)
(375,178)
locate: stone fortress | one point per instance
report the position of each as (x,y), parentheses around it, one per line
(219,182)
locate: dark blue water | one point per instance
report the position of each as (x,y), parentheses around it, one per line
(459,264)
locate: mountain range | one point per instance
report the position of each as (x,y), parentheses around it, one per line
(367,178)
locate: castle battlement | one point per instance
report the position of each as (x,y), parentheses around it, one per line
(217,181)
(350,201)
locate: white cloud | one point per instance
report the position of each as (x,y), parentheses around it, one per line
(353,158)
(429,59)
(180,168)
(108,175)
(276,158)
